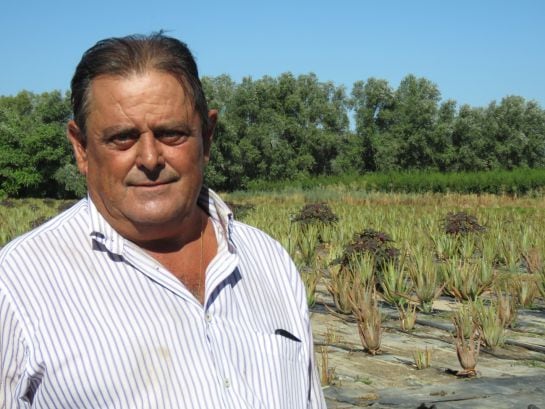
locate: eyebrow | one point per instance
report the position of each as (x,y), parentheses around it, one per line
(174,126)
(165,127)
(118,129)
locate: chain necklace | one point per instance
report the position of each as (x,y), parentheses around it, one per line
(200,293)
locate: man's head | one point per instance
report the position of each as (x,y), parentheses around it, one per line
(132,55)
(141,135)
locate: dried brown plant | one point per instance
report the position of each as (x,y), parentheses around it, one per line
(533,260)
(541,284)
(506,307)
(363,300)
(327,374)
(339,286)
(467,346)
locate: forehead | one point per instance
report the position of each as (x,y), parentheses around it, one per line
(134,84)
(151,93)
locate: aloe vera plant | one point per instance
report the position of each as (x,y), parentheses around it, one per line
(467,279)
(490,325)
(363,299)
(467,340)
(426,280)
(395,283)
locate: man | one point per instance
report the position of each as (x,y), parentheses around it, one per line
(147,294)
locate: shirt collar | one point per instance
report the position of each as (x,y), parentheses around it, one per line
(106,235)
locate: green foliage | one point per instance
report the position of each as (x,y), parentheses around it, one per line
(294,129)
(521,181)
(69,178)
(33,145)
(274,128)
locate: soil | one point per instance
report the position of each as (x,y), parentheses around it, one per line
(512,376)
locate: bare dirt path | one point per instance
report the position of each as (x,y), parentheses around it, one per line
(508,377)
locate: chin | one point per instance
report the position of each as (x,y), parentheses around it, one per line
(154,215)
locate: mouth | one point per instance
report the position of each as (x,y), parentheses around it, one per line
(151,185)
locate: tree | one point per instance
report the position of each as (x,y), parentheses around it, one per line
(372,102)
(274,128)
(414,116)
(33,144)
(516,128)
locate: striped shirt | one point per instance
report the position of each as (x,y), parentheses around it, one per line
(89,320)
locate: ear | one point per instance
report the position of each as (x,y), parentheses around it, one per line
(208,135)
(77,139)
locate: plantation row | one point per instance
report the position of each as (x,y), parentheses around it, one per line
(516,182)
(485,252)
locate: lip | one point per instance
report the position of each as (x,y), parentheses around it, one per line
(150,185)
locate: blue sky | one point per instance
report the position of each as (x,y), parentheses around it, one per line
(475,51)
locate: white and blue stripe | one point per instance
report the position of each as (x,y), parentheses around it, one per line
(89,320)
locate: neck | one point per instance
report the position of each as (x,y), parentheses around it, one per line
(164,240)
(188,262)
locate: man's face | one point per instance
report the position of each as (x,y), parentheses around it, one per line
(144,155)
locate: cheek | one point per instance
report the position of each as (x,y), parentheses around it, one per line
(107,169)
(185,158)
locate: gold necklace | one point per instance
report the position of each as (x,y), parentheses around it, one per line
(201,277)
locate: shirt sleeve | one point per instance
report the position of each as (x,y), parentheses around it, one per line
(316,396)
(12,355)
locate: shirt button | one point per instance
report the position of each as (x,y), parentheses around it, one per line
(208,317)
(227,383)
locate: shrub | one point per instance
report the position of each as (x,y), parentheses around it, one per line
(462,223)
(316,213)
(374,243)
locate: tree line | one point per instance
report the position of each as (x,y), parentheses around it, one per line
(295,126)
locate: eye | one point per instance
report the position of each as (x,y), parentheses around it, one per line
(123,140)
(172,137)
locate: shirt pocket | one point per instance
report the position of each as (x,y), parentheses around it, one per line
(278,369)
(282,345)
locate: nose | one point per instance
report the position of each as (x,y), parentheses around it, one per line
(150,154)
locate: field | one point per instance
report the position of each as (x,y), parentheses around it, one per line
(416,299)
